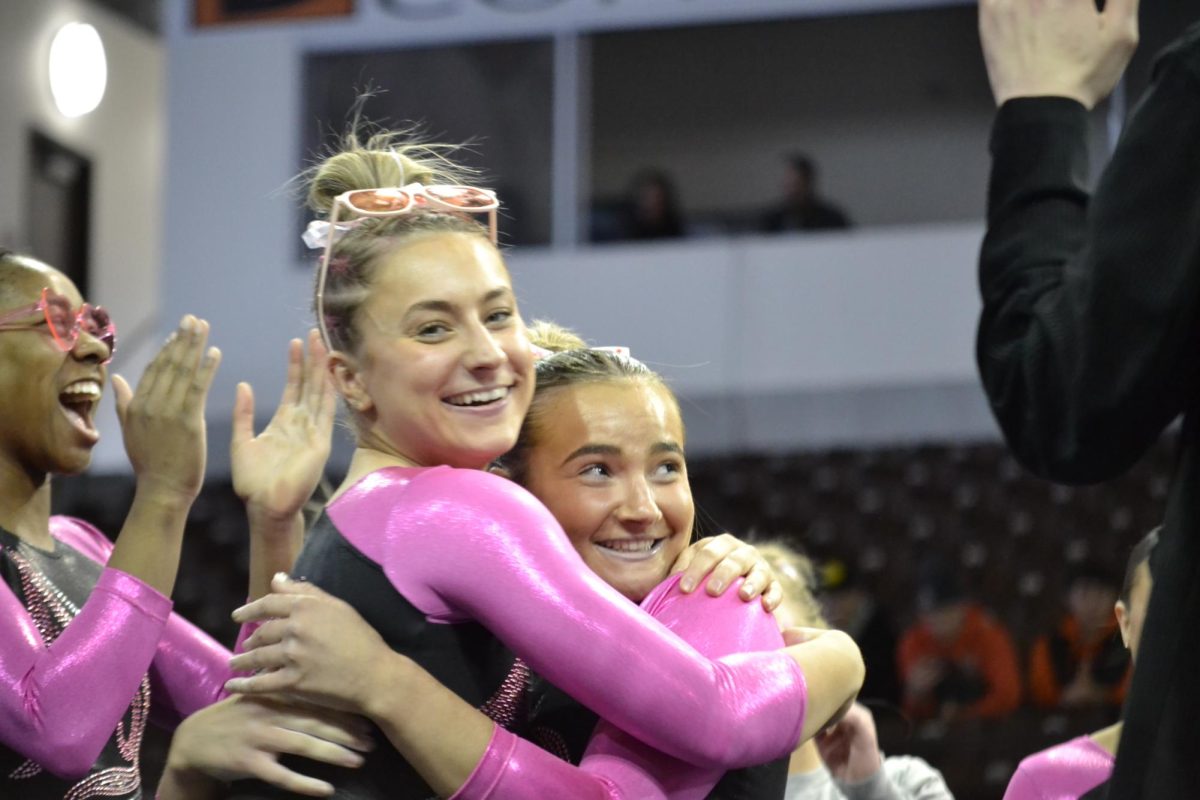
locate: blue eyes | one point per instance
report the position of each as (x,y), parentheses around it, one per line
(437,330)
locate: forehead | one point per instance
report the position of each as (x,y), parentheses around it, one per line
(457,268)
(633,414)
(22,280)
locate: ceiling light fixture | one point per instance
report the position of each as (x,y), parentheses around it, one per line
(78,69)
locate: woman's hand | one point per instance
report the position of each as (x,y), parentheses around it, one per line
(850,749)
(724,558)
(243,737)
(163,421)
(276,472)
(313,646)
(1062,48)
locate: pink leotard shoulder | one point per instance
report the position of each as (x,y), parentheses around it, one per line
(1062,772)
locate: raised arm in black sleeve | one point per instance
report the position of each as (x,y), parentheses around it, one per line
(1088,345)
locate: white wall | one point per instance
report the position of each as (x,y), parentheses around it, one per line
(794,341)
(784,314)
(123,138)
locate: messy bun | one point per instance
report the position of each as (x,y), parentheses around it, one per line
(554,337)
(382,159)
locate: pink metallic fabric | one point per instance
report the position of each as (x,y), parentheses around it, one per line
(616,765)
(1062,772)
(68,675)
(463,544)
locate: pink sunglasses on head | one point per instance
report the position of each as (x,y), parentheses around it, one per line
(396,201)
(64,322)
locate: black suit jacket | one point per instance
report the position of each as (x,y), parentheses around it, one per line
(1089,346)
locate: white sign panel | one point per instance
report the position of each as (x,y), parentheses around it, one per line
(462,15)
(460,20)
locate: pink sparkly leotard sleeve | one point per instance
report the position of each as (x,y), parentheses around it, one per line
(189,671)
(462,544)
(59,704)
(617,766)
(1063,772)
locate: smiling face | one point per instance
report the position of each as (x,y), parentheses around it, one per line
(50,397)
(444,373)
(609,465)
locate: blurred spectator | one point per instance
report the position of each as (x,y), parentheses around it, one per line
(1082,662)
(845,762)
(851,608)
(801,208)
(957,661)
(652,207)
(1086,762)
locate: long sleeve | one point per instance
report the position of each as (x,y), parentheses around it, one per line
(189,670)
(59,703)
(1087,348)
(74,692)
(514,769)
(1086,345)
(462,544)
(617,766)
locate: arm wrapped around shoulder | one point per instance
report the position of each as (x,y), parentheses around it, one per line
(462,544)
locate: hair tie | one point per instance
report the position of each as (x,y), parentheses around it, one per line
(317,234)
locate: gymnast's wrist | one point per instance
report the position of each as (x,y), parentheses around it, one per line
(397,682)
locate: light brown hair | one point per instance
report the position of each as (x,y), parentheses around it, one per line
(372,161)
(571,363)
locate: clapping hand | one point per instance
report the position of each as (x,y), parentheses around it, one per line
(276,472)
(163,421)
